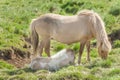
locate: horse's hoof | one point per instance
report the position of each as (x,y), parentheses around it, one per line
(88,59)
(78,64)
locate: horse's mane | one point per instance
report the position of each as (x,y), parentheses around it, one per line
(85,12)
(102,35)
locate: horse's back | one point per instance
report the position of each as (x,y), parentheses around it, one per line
(63,28)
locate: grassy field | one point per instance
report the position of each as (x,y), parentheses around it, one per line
(15,17)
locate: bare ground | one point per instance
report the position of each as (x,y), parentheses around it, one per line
(114,35)
(15,56)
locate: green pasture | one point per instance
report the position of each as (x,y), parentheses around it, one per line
(15,18)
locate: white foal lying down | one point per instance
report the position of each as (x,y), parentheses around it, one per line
(63,58)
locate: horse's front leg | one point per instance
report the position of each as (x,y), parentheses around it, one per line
(82,44)
(47,47)
(88,50)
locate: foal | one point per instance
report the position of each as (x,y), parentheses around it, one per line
(63,58)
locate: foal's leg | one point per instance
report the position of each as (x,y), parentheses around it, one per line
(47,47)
(82,44)
(88,50)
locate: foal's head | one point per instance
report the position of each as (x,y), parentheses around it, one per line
(71,55)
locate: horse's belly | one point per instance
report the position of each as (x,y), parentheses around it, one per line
(67,39)
(70,34)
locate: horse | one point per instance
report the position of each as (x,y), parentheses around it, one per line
(81,27)
(61,59)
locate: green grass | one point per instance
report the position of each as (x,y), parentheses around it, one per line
(116,44)
(15,17)
(114,72)
(4,65)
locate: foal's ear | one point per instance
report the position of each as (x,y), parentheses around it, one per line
(70,50)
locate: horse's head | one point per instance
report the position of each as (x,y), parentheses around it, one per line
(103,54)
(104,49)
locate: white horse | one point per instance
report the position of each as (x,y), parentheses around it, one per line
(81,28)
(63,58)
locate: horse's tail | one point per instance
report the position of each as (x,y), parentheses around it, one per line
(103,44)
(34,37)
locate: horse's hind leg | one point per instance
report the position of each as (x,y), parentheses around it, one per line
(47,47)
(88,50)
(42,43)
(82,44)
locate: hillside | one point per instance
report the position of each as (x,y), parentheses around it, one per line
(15,18)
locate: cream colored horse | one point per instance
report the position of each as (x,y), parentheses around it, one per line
(81,28)
(61,59)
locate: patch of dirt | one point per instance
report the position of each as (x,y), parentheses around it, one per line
(114,35)
(15,56)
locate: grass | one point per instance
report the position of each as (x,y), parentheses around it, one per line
(114,72)
(4,65)
(15,17)
(97,69)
